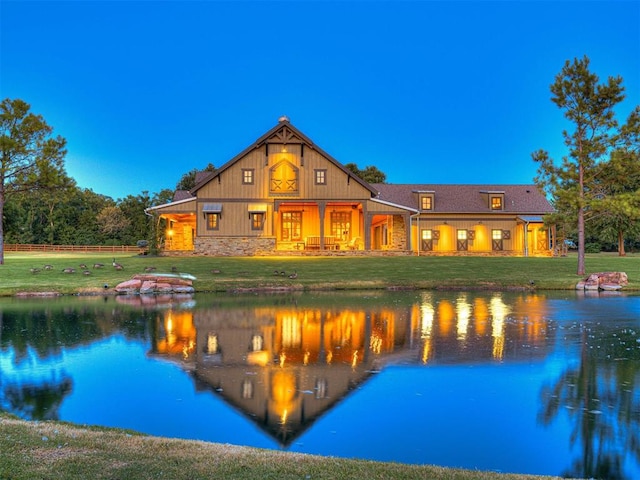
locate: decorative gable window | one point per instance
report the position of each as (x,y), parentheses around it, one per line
(320,176)
(248,176)
(283,179)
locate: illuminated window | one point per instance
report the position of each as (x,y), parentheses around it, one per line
(340,224)
(427,239)
(283,179)
(257,221)
(321,176)
(291,226)
(426,202)
(247,176)
(496,203)
(462,234)
(257,343)
(213,221)
(496,240)
(212,344)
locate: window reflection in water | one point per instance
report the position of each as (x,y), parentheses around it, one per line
(288,363)
(289,358)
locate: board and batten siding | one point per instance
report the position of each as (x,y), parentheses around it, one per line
(229,185)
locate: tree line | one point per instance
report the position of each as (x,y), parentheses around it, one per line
(595,189)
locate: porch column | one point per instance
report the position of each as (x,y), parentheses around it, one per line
(407,228)
(367,228)
(321,210)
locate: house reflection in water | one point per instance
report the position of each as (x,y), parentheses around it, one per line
(284,366)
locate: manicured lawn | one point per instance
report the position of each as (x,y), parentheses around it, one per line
(55,450)
(232,273)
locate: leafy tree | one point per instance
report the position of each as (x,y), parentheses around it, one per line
(616,210)
(112,221)
(30,158)
(370,174)
(588,105)
(140,225)
(188,180)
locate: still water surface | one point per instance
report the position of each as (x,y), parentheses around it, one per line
(542,384)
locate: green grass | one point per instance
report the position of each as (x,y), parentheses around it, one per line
(219,274)
(56,450)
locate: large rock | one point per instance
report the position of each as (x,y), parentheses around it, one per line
(155,284)
(603,281)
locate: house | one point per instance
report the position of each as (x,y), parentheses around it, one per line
(284,194)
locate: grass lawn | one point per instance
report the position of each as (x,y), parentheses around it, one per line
(55,450)
(233,273)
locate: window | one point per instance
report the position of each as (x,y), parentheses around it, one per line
(257,221)
(212,344)
(321,176)
(257,343)
(496,203)
(340,224)
(291,226)
(496,240)
(463,242)
(427,240)
(213,221)
(426,202)
(247,176)
(283,179)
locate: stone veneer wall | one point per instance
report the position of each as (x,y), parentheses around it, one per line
(398,234)
(234,246)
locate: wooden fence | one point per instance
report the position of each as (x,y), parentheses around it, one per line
(26,247)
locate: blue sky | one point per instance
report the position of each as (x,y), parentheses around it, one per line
(427,91)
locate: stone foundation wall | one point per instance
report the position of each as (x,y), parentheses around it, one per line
(234,246)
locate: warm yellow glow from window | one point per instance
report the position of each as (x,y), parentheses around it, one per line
(499,312)
(427,234)
(463,311)
(481,312)
(212,343)
(462,234)
(375,344)
(261,358)
(446,316)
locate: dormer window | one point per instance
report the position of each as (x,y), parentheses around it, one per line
(496,202)
(426,202)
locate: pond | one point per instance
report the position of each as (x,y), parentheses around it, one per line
(542,383)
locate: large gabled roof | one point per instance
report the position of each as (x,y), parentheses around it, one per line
(286,133)
(518,199)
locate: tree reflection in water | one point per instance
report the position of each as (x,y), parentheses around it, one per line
(600,396)
(286,361)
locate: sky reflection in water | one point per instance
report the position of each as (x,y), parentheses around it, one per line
(544,384)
